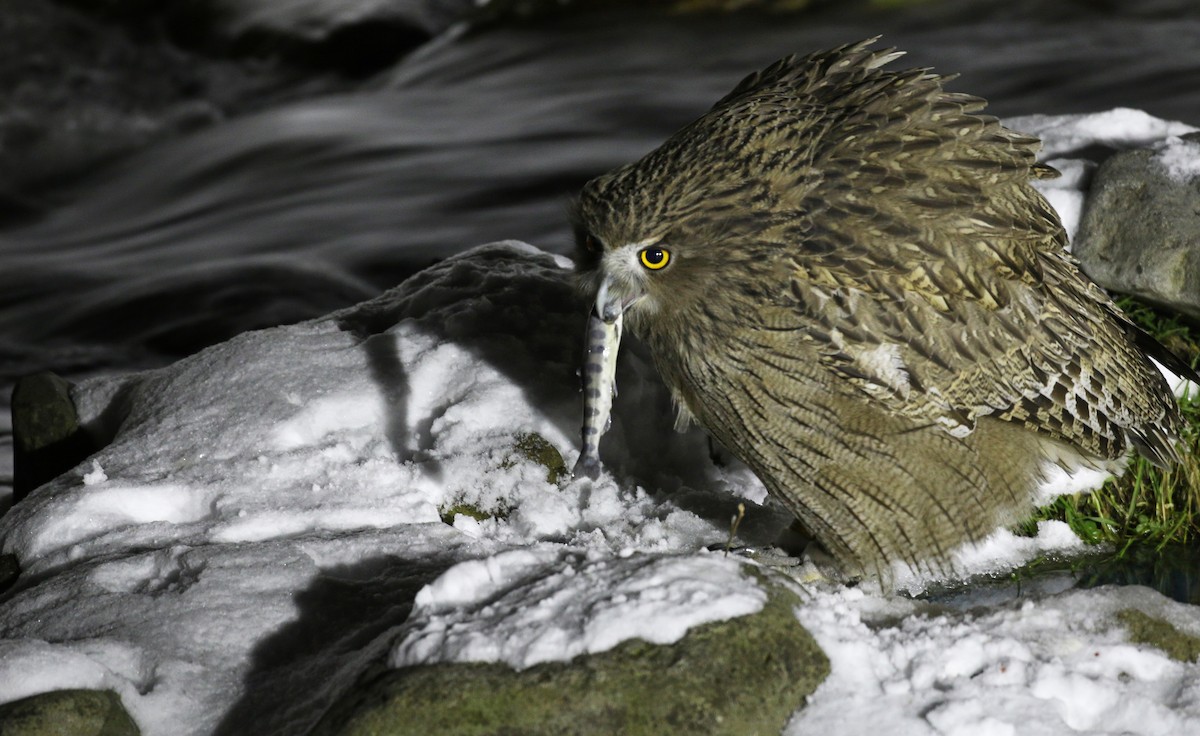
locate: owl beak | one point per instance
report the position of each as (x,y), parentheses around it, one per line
(612,300)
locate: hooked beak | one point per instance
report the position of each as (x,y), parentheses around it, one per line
(612,300)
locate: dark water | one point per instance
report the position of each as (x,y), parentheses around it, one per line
(304,206)
(1173,570)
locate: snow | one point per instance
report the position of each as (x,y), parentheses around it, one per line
(999,553)
(1066,139)
(1040,666)
(267,520)
(1180,157)
(95,475)
(1120,128)
(569,604)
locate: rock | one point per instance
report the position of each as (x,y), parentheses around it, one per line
(742,676)
(1158,633)
(47,438)
(10,570)
(67,713)
(536,448)
(448,513)
(1140,233)
(356,37)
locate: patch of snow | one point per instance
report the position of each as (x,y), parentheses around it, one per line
(1180,157)
(69,520)
(1180,386)
(524,607)
(32,667)
(95,475)
(1068,192)
(999,553)
(1059,482)
(1119,128)
(324,417)
(1043,667)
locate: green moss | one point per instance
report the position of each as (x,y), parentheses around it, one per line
(466,509)
(67,713)
(529,446)
(532,446)
(744,676)
(1146,629)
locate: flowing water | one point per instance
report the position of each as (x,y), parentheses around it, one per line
(307,205)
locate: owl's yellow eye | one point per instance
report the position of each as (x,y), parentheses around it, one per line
(655,258)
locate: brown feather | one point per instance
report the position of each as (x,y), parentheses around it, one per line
(870,305)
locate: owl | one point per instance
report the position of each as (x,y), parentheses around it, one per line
(844,275)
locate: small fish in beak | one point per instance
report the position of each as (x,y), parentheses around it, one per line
(599,382)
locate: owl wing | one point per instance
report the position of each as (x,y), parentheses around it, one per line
(929,273)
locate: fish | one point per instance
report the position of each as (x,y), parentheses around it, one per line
(599,388)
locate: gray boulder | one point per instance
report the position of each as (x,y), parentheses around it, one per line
(1140,229)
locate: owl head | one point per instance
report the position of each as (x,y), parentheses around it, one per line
(678,234)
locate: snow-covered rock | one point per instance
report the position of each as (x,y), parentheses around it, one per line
(264,511)
(742,675)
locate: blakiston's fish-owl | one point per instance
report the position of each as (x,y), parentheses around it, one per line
(844,275)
